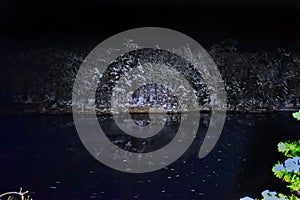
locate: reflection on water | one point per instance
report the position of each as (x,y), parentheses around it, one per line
(44,154)
(136,144)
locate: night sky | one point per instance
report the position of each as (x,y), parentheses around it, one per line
(256,25)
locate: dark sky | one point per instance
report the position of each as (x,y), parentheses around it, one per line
(257,25)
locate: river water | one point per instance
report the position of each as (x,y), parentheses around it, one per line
(43,154)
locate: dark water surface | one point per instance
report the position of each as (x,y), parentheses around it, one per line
(43,154)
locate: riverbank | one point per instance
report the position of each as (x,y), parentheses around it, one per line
(38,109)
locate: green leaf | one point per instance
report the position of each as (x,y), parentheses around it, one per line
(296,115)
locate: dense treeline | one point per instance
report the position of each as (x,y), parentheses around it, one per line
(253,80)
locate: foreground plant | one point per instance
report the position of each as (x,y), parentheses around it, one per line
(296,115)
(271,195)
(289,171)
(12,195)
